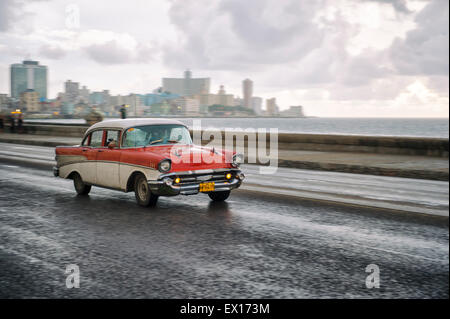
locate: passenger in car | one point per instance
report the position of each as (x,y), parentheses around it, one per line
(111,143)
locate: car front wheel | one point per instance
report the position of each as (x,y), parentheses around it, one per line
(219,196)
(144,196)
(80,186)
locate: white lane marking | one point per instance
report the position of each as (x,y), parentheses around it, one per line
(353,179)
(335,198)
(31,259)
(347,236)
(386,193)
(25,155)
(444,261)
(284,171)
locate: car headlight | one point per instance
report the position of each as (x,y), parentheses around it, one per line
(238,159)
(164,166)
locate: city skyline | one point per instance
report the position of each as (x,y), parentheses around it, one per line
(351,58)
(188,95)
(177,86)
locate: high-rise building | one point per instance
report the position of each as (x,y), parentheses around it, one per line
(187,86)
(247,91)
(257,104)
(188,106)
(221,98)
(158,97)
(29,100)
(71,91)
(84,94)
(271,107)
(294,111)
(99,98)
(4,102)
(136,105)
(117,100)
(28,75)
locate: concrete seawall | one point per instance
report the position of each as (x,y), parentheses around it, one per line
(366,144)
(416,146)
(56,130)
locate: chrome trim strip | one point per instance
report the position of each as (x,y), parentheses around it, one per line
(112,162)
(127,148)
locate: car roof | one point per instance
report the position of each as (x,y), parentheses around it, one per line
(126,123)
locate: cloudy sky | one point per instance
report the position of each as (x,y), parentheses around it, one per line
(385,58)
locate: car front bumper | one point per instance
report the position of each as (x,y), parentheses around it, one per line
(161,188)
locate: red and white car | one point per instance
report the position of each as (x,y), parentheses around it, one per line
(152,157)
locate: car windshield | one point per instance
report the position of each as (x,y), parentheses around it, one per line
(156,135)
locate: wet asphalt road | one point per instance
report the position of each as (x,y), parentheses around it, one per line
(253,246)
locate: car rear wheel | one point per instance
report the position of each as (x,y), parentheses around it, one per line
(80,187)
(144,196)
(219,196)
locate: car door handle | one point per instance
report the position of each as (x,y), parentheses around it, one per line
(100,151)
(84,150)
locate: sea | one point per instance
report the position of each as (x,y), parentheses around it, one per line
(415,127)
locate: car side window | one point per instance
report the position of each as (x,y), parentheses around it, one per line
(112,135)
(96,139)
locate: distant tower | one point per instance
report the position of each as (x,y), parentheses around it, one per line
(71,91)
(247,91)
(28,75)
(271,107)
(257,104)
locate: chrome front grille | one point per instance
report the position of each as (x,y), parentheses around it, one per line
(190,179)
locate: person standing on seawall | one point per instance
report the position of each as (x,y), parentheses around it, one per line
(123,112)
(12,122)
(20,123)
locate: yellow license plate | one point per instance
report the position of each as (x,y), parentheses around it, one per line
(207,187)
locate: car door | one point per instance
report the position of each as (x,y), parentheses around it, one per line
(108,161)
(88,169)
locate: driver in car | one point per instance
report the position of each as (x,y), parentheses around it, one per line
(158,136)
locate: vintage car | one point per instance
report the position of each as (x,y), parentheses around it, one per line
(152,157)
